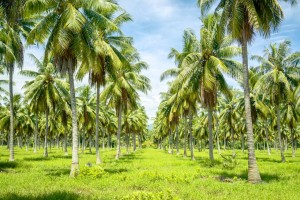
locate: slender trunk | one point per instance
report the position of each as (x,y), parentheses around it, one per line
(211,145)
(170,144)
(243,143)
(66,141)
(75,158)
(218,143)
(267,138)
(286,144)
(108,140)
(35,134)
(90,143)
(11,109)
(8,141)
(232,138)
(218,137)
(46,134)
(177,140)
(127,138)
(98,158)
(83,142)
(224,147)
(140,140)
(27,142)
(103,138)
(185,137)
(191,135)
(134,141)
(253,171)
(279,134)
(293,143)
(119,131)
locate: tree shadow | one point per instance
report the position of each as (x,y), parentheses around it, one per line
(57,172)
(59,195)
(116,171)
(266,177)
(63,156)
(6,164)
(37,158)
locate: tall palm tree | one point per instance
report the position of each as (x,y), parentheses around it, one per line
(121,90)
(44,93)
(204,70)
(70,29)
(13,26)
(279,78)
(243,19)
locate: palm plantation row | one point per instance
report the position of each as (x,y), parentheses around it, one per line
(200,105)
(80,38)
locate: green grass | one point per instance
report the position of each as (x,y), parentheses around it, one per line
(146,174)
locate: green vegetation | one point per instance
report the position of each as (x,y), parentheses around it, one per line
(148,173)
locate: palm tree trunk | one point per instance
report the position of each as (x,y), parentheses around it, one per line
(253,171)
(191,136)
(46,134)
(35,134)
(11,109)
(127,138)
(119,131)
(90,143)
(170,143)
(293,143)
(140,140)
(83,142)
(185,137)
(211,145)
(232,138)
(279,134)
(27,142)
(108,140)
(98,159)
(267,138)
(134,141)
(66,141)
(75,159)
(243,142)
(177,140)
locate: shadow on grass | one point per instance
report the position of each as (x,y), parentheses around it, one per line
(57,172)
(116,171)
(63,156)
(266,177)
(6,164)
(61,195)
(37,158)
(130,157)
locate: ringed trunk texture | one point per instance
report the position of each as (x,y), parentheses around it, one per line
(75,158)
(211,145)
(119,132)
(253,171)
(98,158)
(11,109)
(279,135)
(46,135)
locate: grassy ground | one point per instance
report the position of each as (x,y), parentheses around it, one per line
(146,174)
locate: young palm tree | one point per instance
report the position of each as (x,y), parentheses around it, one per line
(44,93)
(243,19)
(279,78)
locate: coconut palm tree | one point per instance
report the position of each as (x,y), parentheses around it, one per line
(44,93)
(70,31)
(13,26)
(121,90)
(204,70)
(243,19)
(280,76)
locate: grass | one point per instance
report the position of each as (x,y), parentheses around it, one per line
(146,174)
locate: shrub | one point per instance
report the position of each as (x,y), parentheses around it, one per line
(93,171)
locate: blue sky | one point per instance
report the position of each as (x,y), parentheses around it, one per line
(158,26)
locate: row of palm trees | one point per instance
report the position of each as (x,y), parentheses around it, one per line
(200,76)
(80,38)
